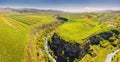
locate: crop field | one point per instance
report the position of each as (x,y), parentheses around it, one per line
(13,32)
(12,43)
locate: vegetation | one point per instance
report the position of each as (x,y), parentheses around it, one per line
(14,34)
(116,58)
(22,35)
(78,29)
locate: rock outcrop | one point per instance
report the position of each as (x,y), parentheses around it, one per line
(67,52)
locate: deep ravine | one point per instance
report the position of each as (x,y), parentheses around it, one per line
(69,52)
(65,51)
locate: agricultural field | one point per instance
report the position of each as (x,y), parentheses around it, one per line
(81,27)
(89,36)
(14,30)
(59,30)
(78,29)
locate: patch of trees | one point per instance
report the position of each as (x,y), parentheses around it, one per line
(111,36)
(63,19)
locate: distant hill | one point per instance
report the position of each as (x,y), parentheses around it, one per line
(32,10)
(27,10)
(104,11)
(6,10)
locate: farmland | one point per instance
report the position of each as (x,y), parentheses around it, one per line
(14,29)
(76,29)
(89,36)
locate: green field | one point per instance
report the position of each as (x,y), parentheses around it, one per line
(14,29)
(75,31)
(22,35)
(79,28)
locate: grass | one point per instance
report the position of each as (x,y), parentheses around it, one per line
(15,35)
(14,31)
(12,40)
(12,44)
(101,53)
(78,30)
(116,58)
(31,19)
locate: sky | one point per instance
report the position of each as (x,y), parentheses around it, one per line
(64,5)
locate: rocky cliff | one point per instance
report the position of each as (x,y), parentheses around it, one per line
(68,52)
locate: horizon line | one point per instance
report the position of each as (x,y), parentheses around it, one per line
(79,10)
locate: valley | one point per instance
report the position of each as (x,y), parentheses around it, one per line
(55,36)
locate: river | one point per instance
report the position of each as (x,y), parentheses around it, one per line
(47,51)
(111,55)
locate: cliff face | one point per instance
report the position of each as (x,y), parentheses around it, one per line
(65,51)
(35,46)
(68,52)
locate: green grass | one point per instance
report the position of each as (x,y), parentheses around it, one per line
(78,30)
(14,32)
(12,44)
(101,53)
(116,58)
(32,19)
